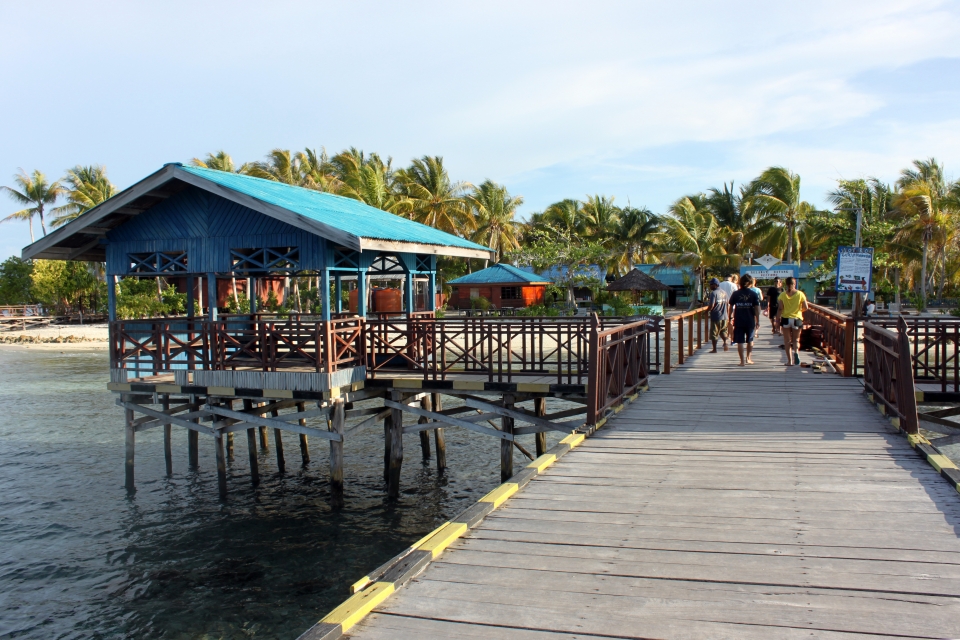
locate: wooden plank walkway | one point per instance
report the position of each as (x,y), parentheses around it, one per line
(765,502)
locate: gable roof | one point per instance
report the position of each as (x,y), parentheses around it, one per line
(347,222)
(501,273)
(637,280)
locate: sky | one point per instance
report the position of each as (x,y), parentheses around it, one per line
(642,101)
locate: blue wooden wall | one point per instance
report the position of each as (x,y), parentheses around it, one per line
(207,227)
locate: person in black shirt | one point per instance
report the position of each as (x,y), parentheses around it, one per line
(773,294)
(745,314)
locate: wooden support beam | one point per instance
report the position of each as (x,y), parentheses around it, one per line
(466,423)
(221,463)
(540,408)
(304,448)
(439,440)
(506,446)
(427,405)
(382,414)
(186,420)
(254,422)
(251,445)
(396,444)
(520,414)
(167,435)
(387,431)
(337,420)
(278,440)
(129,449)
(193,444)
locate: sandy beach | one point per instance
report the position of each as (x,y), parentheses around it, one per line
(67,336)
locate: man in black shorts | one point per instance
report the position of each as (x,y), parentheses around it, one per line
(745,315)
(773,306)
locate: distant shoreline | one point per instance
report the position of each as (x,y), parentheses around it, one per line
(72,337)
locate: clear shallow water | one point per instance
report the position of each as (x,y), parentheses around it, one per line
(81,559)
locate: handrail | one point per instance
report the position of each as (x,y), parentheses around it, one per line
(619,359)
(888,372)
(839,335)
(698,315)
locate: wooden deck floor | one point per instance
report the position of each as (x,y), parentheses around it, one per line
(766,502)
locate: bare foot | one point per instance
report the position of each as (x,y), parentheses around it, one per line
(726,347)
(750,362)
(714,350)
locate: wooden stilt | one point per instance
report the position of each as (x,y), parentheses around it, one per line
(221,464)
(387,430)
(540,408)
(230,447)
(193,447)
(252,448)
(438,438)
(426,404)
(396,448)
(304,450)
(167,435)
(264,440)
(278,441)
(337,420)
(131,435)
(506,446)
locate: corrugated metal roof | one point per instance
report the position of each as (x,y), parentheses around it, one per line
(500,273)
(346,214)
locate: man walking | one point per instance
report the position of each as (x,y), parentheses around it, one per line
(717,305)
(745,313)
(773,295)
(729,286)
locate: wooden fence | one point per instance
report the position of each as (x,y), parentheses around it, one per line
(888,374)
(839,336)
(620,359)
(688,339)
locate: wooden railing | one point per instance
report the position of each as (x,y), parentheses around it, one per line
(839,337)
(619,359)
(934,343)
(689,339)
(887,372)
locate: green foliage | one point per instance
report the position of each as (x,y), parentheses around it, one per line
(480,303)
(67,287)
(539,310)
(16,282)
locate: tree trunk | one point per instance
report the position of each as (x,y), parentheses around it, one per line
(896,285)
(30,222)
(43,225)
(789,242)
(923,274)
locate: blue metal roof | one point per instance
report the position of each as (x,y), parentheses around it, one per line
(501,273)
(346,214)
(670,276)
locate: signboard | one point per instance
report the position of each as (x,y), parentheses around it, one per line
(854,269)
(782,271)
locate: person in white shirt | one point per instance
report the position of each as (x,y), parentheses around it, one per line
(729,286)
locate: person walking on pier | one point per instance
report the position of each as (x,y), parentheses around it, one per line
(773,305)
(792,304)
(729,286)
(717,305)
(745,313)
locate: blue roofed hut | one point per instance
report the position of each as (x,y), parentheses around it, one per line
(502,285)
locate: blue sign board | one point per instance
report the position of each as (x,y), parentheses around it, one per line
(759,272)
(854,269)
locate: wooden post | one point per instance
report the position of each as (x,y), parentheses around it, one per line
(193,447)
(264,440)
(666,345)
(131,436)
(680,349)
(221,463)
(230,447)
(191,310)
(426,405)
(906,388)
(337,420)
(594,374)
(506,446)
(438,438)
(699,329)
(396,448)
(212,296)
(540,408)
(690,335)
(252,448)
(111,298)
(304,450)
(167,435)
(849,345)
(278,440)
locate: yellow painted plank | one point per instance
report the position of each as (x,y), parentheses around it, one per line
(542,462)
(499,495)
(359,605)
(895,422)
(919,396)
(941,462)
(118,386)
(360,584)
(356,386)
(882,408)
(277,393)
(574,439)
(407,383)
(532,387)
(333,393)
(915,438)
(870,398)
(468,385)
(443,538)
(221,391)
(168,388)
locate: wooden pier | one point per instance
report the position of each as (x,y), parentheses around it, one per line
(726,502)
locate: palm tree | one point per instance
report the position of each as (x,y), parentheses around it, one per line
(780,212)
(634,233)
(601,218)
(565,216)
(494,209)
(307,169)
(34,190)
(691,236)
(434,199)
(86,188)
(221,161)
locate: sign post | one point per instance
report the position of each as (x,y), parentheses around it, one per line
(854,272)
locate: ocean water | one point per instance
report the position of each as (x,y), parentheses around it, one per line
(79,558)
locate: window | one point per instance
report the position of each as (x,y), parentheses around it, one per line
(509,293)
(158,262)
(266,259)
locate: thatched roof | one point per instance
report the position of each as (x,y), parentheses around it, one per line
(637,280)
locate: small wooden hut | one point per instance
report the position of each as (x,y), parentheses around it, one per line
(638,281)
(503,285)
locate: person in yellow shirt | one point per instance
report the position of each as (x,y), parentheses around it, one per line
(791,303)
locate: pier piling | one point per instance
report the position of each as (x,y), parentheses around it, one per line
(167,435)
(278,442)
(506,446)
(337,420)
(396,448)
(252,448)
(427,405)
(131,435)
(304,449)
(439,440)
(193,447)
(540,408)
(221,464)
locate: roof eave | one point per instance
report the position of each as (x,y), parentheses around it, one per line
(374,244)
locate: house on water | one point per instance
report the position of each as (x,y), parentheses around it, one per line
(502,285)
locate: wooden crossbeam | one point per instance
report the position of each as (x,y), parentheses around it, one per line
(248,422)
(943,425)
(449,420)
(519,414)
(184,412)
(167,419)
